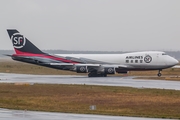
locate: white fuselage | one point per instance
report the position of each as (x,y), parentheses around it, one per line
(137,60)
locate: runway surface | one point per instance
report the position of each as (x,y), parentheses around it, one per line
(6,114)
(107,81)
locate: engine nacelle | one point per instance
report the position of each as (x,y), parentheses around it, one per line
(109,70)
(120,71)
(81,69)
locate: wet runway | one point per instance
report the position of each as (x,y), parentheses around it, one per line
(6,114)
(107,81)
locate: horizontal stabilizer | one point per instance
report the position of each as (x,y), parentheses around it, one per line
(7,55)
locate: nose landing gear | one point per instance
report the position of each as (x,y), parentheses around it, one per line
(159,73)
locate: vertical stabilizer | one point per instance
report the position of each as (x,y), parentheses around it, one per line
(21,44)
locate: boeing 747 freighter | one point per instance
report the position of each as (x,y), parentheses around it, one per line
(96,65)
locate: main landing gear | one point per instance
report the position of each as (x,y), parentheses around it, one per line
(95,74)
(159,73)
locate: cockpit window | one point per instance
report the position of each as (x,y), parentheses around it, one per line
(164,54)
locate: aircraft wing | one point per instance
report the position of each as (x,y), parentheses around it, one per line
(71,65)
(92,65)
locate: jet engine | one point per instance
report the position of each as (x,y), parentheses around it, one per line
(109,70)
(81,69)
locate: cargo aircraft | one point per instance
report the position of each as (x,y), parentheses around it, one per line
(96,65)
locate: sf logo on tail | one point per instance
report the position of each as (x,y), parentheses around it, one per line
(18,40)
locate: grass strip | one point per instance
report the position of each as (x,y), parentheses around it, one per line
(120,101)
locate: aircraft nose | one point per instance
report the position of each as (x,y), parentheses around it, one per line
(174,61)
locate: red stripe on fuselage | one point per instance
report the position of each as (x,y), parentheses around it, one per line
(25,54)
(19,52)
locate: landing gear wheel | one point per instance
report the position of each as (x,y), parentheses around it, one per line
(95,74)
(89,75)
(159,74)
(105,75)
(92,74)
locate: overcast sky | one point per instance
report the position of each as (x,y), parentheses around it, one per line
(103,25)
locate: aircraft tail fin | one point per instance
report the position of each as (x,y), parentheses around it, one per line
(21,44)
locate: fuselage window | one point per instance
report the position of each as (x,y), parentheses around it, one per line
(141,61)
(136,61)
(127,61)
(164,54)
(131,61)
